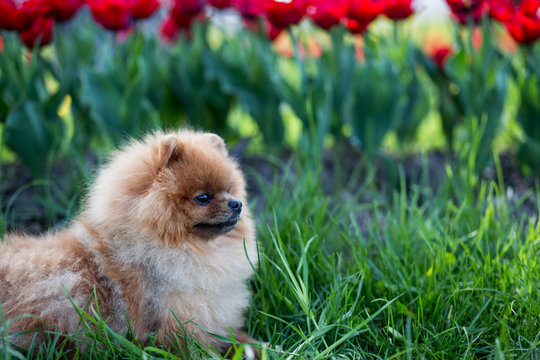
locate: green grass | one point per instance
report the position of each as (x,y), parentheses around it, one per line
(443,273)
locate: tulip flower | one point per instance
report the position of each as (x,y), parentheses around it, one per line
(272,32)
(220,4)
(284,13)
(111,14)
(530,8)
(28,12)
(501,10)
(463,10)
(8,10)
(184,11)
(63,10)
(440,55)
(355,27)
(365,11)
(361,13)
(327,14)
(398,9)
(40,31)
(249,9)
(142,9)
(187,7)
(169,30)
(523,29)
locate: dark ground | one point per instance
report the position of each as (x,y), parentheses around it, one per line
(33,206)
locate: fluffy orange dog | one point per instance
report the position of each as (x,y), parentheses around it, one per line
(163,231)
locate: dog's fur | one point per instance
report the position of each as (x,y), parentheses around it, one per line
(145,246)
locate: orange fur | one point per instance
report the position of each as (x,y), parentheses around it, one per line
(145,246)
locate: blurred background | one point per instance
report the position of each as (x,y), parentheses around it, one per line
(380,84)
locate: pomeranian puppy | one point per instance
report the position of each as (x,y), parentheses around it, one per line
(164,240)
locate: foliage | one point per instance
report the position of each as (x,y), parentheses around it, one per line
(473,81)
(81,87)
(529,111)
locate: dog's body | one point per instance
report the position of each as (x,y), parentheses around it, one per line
(160,237)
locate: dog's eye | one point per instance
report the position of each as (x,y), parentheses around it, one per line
(203,199)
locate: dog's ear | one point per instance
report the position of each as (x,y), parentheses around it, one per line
(217,142)
(169,151)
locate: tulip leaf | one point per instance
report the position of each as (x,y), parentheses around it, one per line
(28,135)
(377,94)
(100,92)
(244,75)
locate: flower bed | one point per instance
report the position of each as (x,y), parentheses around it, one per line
(78,86)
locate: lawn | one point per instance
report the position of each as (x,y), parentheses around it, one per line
(371,272)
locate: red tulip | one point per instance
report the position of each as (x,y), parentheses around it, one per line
(272,32)
(284,13)
(361,13)
(170,29)
(182,21)
(249,9)
(530,8)
(184,11)
(440,55)
(142,9)
(364,11)
(40,31)
(356,27)
(462,10)
(501,10)
(63,10)
(398,9)
(111,14)
(29,11)
(8,9)
(59,10)
(220,4)
(327,14)
(187,7)
(524,29)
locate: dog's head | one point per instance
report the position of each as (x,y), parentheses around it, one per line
(179,187)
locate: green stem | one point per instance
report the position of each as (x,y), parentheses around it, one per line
(310,122)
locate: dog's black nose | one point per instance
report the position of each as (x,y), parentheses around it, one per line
(235,205)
